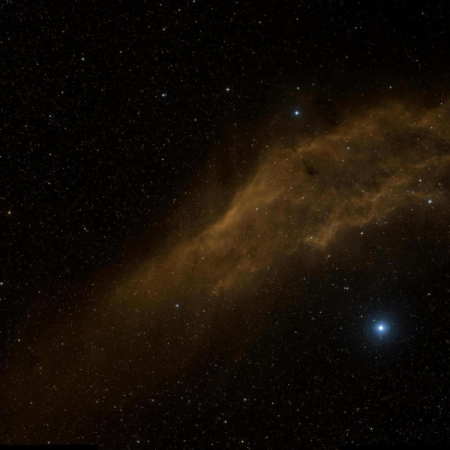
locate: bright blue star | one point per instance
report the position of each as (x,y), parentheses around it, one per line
(297,113)
(381,328)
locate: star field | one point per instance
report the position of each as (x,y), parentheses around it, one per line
(225,225)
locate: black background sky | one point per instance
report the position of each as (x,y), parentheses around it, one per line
(111,110)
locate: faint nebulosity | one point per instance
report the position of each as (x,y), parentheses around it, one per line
(225,225)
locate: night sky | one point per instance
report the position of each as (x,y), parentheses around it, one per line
(225,224)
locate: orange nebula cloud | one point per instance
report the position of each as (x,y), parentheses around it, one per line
(300,202)
(305,196)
